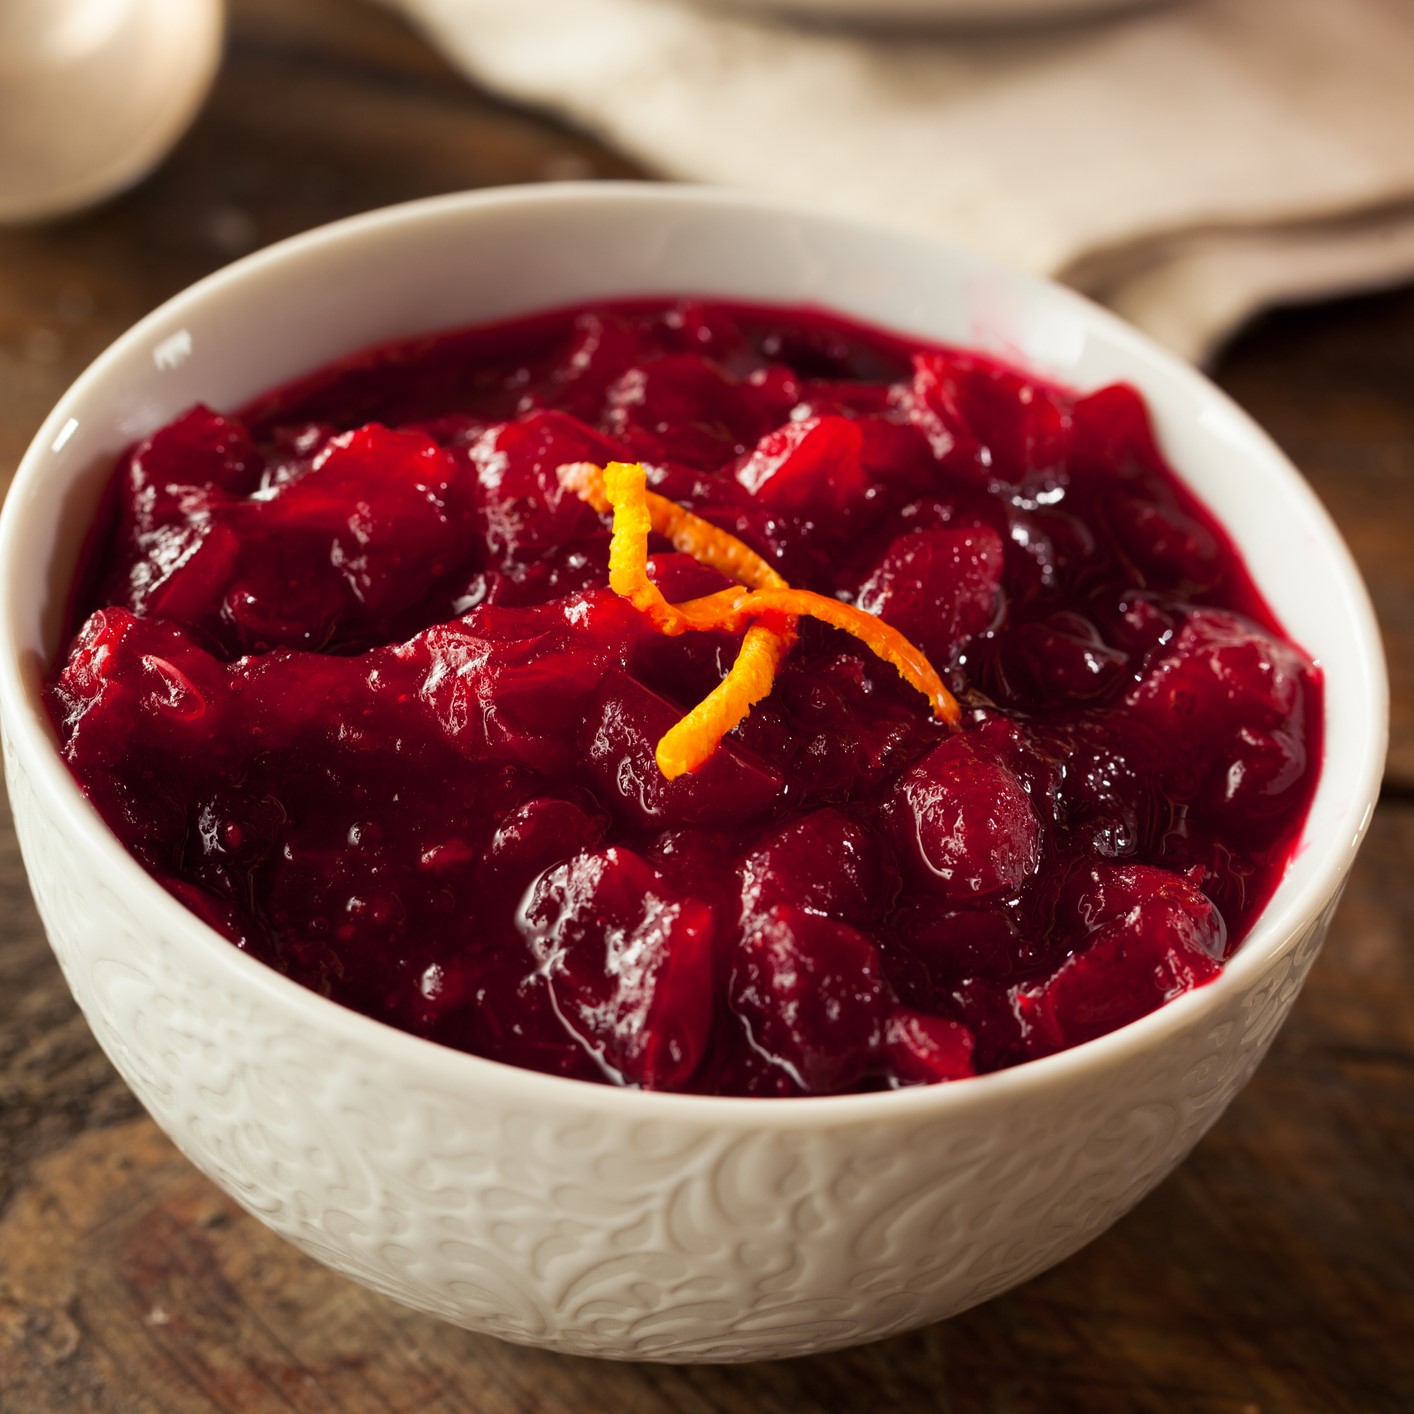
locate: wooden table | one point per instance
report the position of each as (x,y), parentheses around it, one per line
(1274,1271)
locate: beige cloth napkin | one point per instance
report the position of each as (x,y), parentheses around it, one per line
(1187,166)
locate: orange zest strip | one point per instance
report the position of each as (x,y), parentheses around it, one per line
(689,744)
(625,491)
(716,612)
(689,533)
(587,482)
(882,639)
(766,608)
(732,610)
(711,545)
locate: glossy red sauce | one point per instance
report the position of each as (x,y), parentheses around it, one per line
(353,688)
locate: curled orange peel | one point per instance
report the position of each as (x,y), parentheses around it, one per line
(763,608)
(688,745)
(688,533)
(882,639)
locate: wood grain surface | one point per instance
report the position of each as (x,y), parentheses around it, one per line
(1274,1271)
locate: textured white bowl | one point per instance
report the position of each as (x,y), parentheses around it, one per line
(574,1216)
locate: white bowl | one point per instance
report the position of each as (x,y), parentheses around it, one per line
(574,1216)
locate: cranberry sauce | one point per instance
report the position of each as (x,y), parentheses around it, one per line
(354,689)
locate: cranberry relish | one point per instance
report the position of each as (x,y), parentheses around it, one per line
(353,688)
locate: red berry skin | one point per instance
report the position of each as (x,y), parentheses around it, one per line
(931,402)
(924,1049)
(808,468)
(521,508)
(1224,707)
(602,348)
(1061,660)
(1146,936)
(1000,1032)
(1168,547)
(939,587)
(129,679)
(825,862)
(955,944)
(628,963)
(1111,434)
(1150,897)
(682,408)
(515,684)
(536,835)
(963,826)
(1264,772)
(201,448)
(812,997)
(986,423)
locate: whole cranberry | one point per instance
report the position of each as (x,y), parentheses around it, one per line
(939,588)
(681,408)
(1263,770)
(923,1049)
(956,944)
(200,448)
(1222,702)
(522,510)
(602,347)
(1147,936)
(1221,672)
(812,996)
(628,962)
(1142,897)
(1061,660)
(825,862)
(810,467)
(962,825)
(535,835)
(1168,546)
(932,402)
(1111,433)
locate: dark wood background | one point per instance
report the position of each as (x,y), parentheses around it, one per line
(1274,1271)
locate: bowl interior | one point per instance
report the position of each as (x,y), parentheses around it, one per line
(451,261)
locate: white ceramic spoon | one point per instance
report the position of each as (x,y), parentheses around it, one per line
(94,93)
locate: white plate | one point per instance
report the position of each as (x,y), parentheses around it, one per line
(970,13)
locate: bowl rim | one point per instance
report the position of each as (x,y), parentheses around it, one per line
(1274,933)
